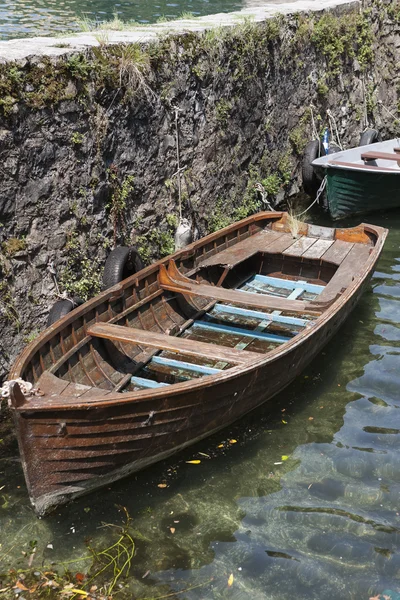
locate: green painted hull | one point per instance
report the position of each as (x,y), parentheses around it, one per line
(351,192)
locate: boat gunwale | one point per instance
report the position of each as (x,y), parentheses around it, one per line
(57,402)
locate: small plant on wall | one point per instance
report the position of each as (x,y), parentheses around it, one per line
(117,204)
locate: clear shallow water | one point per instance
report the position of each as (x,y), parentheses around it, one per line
(322,524)
(27,18)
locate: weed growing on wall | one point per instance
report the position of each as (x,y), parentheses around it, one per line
(82,273)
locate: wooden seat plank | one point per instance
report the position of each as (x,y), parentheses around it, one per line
(318,249)
(263,241)
(248,299)
(337,252)
(345,273)
(300,246)
(340,163)
(172,343)
(380,156)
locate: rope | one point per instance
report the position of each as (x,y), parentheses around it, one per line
(319,194)
(333,126)
(313,126)
(63,296)
(178,172)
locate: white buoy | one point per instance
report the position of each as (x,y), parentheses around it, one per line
(183,234)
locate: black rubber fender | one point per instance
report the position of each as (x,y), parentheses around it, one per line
(369,136)
(311,182)
(62,308)
(122,262)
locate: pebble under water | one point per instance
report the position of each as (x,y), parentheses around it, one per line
(299,500)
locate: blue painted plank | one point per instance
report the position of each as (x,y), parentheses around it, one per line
(270,337)
(290,285)
(147,383)
(185,366)
(242,312)
(295,294)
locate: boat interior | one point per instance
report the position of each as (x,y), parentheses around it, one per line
(227,302)
(383,156)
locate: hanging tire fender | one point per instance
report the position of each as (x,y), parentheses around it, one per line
(311,182)
(369,136)
(62,308)
(122,262)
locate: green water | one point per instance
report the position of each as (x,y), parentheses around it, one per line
(323,524)
(23,18)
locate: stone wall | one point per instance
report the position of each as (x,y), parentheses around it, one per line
(89,152)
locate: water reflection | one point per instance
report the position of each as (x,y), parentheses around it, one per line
(323,523)
(22,18)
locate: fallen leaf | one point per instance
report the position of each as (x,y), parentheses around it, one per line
(284,422)
(172,529)
(193,462)
(230,580)
(284,457)
(145,575)
(233,441)
(162,485)
(221,446)
(277,463)
(20,586)
(311,418)
(80,577)
(81,592)
(203,454)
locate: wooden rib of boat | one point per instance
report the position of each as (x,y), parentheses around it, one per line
(362,179)
(182,349)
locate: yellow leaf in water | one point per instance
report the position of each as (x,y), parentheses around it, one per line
(284,422)
(230,580)
(221,446)
(233,441)
(193,462)
(284,457)
(81,592)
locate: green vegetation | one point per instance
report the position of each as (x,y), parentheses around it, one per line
(13,245)
(101,570)
(7,305)
(158,242)
(82,274)
(77,138)
(222,111)
(117,204)
(346,37)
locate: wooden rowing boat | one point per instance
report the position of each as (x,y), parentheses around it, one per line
(182,349)
(362,179)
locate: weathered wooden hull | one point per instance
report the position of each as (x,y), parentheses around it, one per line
(74,443)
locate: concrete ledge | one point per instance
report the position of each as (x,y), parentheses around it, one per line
(21,49)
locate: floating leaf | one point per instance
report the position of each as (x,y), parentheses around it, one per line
(221,446)
(162,485)
(230,580)
(284,457)
(284,422)
(81,592)
(203,454)
(311,418)
(193,462)
(172,529)
(233,441)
